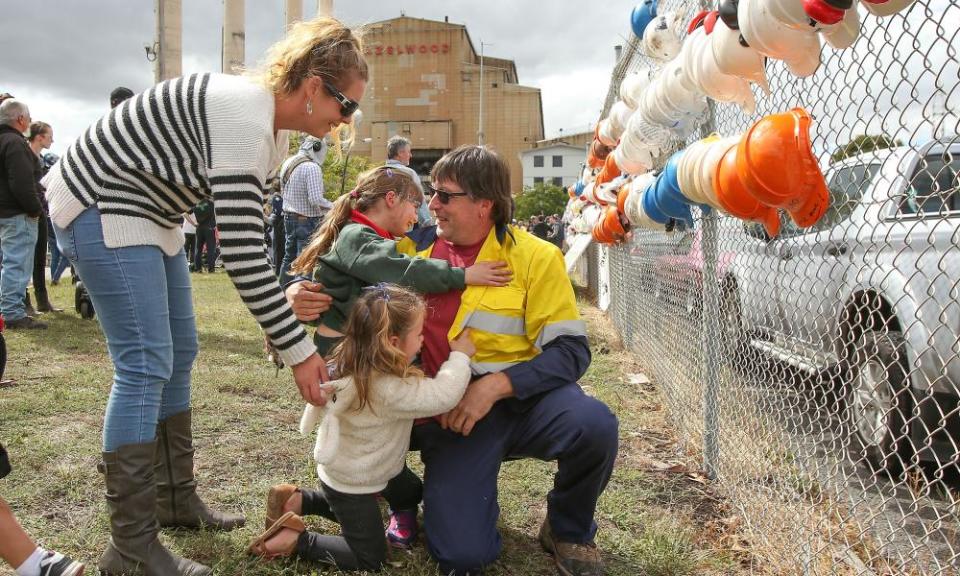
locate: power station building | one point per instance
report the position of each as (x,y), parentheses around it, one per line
(425,85)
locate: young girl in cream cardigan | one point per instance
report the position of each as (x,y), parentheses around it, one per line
(365,433)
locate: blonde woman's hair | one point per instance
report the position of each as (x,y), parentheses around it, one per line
(372,185)
(381,312)
(321,47)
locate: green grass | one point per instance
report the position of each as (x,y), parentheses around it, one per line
(245,430)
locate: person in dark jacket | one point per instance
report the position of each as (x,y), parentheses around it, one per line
(19,211)
(206,236)
(40,138)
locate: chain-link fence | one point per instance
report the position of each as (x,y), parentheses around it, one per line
(819,371)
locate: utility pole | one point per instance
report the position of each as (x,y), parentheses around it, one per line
(324,7)
(480,121)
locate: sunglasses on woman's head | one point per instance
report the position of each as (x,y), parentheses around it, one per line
(443,195)
(347,106)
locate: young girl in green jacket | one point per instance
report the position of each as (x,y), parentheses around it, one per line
(356,247)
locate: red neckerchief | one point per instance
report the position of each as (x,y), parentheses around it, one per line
(359,218)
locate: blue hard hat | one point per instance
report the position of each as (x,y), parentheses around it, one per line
(578,188)
(650,206)
(667,193)
(643,13)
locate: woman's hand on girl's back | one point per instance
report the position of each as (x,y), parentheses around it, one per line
(463,344)
(488,274)
(308,375)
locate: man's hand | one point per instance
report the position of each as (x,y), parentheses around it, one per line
(307,300)
(308,375)
(480,396)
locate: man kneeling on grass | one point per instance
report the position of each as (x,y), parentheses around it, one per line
(524,401)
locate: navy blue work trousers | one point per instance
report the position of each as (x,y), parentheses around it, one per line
(460,508)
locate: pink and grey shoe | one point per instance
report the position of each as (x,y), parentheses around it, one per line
(403,530)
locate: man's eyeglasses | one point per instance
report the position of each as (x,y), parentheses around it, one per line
(443,195)
(347,106)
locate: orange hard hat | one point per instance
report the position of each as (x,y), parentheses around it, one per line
(609,172)
(735,198)
(776,163)
(598,154)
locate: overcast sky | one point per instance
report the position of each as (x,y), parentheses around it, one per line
(63,57)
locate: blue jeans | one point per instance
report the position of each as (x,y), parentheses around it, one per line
(144,305)
(460,508)
(18,240)
(58,262)
(298,230)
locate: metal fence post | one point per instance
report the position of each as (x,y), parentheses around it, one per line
(711,347)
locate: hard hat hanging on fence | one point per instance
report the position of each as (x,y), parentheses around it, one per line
(728,13)
(661,39)
(643,13)
(736,58)
(886,7)
(844,33)
(633,86)
(799,49)
(735,196)
(776,163)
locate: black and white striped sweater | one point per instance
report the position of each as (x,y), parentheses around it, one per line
(155,156)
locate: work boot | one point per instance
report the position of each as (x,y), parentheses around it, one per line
(134,549)
(571,559)
(177,501)
(26,323)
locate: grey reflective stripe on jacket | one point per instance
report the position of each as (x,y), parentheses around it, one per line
(562,328)
(495,323)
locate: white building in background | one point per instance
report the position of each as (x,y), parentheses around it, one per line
(558,164)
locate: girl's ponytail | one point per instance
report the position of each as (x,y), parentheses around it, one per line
(325,236)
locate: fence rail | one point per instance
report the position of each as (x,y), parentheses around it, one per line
(819,371)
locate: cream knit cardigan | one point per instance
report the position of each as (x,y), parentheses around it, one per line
(358,452)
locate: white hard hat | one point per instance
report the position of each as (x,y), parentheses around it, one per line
(888,8)
(687,176)
(633,86)
(677,93)
(736,59)
(719,86)
(661,40)
(799,49)
(844,33)
(634,204)
(619,116)
(709,161)
(604,133)
(790,13)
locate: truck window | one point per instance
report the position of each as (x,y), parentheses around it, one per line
(846,187)
(933,187)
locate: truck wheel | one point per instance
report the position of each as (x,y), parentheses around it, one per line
(880,401)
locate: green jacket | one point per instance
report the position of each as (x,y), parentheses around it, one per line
(360,257)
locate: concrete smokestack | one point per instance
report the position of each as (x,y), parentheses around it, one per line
(233,36)
(324,7)
(617,50)
(168,40)
(294,11)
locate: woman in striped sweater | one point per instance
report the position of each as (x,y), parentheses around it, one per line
(116,200)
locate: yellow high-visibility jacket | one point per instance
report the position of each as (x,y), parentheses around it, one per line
(512,324)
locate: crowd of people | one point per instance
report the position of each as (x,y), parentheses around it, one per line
(440,325)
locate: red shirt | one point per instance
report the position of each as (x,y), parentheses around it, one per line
(442,308)
(359,218)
